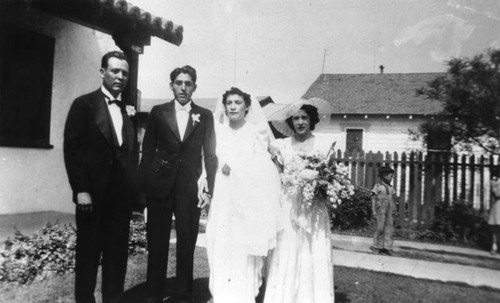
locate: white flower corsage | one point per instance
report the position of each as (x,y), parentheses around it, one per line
(130,110)
(195,117)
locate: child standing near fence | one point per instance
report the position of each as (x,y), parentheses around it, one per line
(494,215)
(383,206)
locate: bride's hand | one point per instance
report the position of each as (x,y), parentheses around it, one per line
(226,170)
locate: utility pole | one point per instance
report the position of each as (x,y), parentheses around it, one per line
(324,58)
(323,68)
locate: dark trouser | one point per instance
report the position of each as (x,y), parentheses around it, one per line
(385,225)
(104,230)
(159,223)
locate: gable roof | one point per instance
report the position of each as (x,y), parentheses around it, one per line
(375,93)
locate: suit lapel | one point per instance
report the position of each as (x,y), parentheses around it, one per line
(192,123)
(102,118)
(171,119)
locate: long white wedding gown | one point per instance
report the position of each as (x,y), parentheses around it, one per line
(242,222)
(301,268)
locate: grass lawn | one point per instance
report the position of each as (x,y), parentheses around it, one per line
(351,285)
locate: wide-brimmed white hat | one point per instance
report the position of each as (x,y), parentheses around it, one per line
(278,119)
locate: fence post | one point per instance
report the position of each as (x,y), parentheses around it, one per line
(361,169)
(482,188)
(369,170)
(403,209)
(429,189)
(412,204)
(455,177)
(418,188)
(463,183)
(470,196)
(446,170)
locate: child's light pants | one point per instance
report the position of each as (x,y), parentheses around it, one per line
(385,224)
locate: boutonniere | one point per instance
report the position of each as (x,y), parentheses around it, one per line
(196,118)
(130,110)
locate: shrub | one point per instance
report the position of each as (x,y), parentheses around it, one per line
(354,212)
(51,251)
(458,223)
(137,239)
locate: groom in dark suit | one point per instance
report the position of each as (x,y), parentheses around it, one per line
(100,153)
(179,135)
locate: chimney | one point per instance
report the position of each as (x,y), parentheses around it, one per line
(381,69)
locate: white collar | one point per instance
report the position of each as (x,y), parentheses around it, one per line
(109,95)
(186,106)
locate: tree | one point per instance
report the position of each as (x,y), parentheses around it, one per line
(470,92)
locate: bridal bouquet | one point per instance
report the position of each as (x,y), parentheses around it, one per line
(317,179)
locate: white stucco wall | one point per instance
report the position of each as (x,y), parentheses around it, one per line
(379,134)
(35,179)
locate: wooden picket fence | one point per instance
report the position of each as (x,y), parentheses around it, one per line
(423,179)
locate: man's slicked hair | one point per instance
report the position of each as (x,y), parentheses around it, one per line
(187,69)
(113,54)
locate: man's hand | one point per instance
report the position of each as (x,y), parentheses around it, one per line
(204,202)
(84,202)
(202,187)
(226,170)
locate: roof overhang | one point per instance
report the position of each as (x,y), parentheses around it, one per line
(114,17)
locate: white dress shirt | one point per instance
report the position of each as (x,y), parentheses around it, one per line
(115,112)
(182,115)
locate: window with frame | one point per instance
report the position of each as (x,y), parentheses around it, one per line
(354,140)
(26,69)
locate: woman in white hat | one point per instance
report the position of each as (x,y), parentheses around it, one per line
(301,268)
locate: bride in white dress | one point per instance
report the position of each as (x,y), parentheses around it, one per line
(242,223)
(301,268)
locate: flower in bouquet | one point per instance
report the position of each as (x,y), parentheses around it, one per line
(317,179)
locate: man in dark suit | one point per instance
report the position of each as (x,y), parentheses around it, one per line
(178,136)
(100,147)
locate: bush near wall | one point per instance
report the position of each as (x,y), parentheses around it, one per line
(458,223)
(51,251)
(48,252)
(354,213)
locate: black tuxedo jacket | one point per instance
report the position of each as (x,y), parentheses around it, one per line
(169,161)
(90,148)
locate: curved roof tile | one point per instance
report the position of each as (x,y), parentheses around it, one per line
(166,29)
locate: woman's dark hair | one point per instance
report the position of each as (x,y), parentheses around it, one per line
(113,54)
(187,69)
(311,111)
(237,91)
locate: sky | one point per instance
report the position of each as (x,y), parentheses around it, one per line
(278,48)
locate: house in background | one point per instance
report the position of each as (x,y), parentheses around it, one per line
(50,54)
(373,112)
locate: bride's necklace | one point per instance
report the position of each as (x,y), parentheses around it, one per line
(303,146)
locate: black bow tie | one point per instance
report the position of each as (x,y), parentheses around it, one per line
(117,102)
